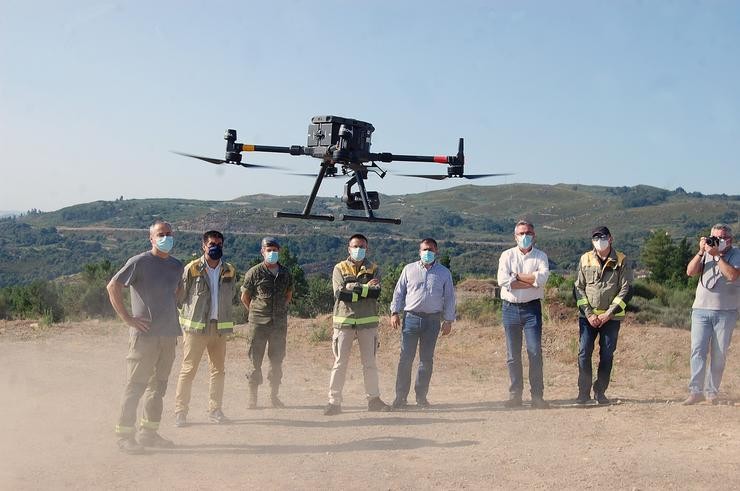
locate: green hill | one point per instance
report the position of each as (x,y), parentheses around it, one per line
(472,223)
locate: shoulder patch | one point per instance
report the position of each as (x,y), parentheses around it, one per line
(194,268)
(620,259)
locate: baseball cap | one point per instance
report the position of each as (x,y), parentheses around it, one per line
(270,241)
(600,231)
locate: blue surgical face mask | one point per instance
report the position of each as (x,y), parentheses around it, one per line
(524,241)
(165,243)
(357,253)
(427,257)
(215,252)
(271,257)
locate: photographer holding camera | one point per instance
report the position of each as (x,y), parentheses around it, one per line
(714,311)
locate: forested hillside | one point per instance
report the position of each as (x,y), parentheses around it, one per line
(472,223)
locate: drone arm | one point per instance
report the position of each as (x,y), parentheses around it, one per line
(458,159)
(293,150)
(438,159)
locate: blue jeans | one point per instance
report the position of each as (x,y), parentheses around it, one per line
(711,332)
(422,331)
(517,319)
(608,334)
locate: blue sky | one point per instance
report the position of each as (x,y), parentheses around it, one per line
(94,94)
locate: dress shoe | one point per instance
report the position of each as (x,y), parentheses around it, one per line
(332,409)
(540,403)
(399,404)
(422,403)
(514,401)
(583,399)
(694,398)
(601,399)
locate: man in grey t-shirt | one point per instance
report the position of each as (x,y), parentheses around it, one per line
(714,311)
(154,278)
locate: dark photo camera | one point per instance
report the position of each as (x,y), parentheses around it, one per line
(712,241)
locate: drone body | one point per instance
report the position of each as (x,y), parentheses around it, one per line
(343,142)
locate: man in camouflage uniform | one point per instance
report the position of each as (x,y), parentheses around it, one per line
(356,283)
(266,292)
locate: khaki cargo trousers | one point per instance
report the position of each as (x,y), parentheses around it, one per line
(148,365)
(192,351)
(367,340)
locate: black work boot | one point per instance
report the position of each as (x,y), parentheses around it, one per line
(274,400)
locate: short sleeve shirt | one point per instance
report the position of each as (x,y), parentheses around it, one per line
(268,293)
(714,292)
(153,282)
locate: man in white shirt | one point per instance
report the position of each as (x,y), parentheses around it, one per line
(522,274)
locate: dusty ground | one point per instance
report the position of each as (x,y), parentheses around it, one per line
(60,390)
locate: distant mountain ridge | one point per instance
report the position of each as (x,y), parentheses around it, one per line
(472,223)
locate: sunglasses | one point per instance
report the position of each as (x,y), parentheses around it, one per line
(600,236)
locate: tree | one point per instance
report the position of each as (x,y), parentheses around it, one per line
(666,260)
(388,284)
(319,298)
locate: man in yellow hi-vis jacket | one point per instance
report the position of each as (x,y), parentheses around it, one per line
(602,290)
(356,284)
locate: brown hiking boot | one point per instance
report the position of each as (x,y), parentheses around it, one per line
(154,439)
(694,398)
(332,409)
(130,446)
(376,405)
(252,402)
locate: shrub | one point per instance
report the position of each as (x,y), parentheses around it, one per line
(318,299)
(486,310)
(320,333)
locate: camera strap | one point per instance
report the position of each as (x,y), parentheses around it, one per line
(715,273)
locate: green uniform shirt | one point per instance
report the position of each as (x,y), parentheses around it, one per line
(269,294)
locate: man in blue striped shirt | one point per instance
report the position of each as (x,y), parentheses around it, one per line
(427,296)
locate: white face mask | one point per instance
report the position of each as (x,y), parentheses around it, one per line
(722,245)
(601,244)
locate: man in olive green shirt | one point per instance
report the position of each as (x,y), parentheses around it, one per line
(266,292)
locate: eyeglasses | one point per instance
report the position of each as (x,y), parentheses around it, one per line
(600,236)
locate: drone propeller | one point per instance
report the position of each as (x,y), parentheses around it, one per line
(221,161)
(438,177)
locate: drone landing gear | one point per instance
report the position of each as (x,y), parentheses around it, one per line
(306,215)
(361,200)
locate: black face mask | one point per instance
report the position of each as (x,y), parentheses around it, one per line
(215,252)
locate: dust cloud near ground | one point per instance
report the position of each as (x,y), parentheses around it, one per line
(61,388)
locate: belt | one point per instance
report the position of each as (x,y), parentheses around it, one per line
(424,315)
(522,304)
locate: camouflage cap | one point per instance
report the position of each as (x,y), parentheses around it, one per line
(270,241)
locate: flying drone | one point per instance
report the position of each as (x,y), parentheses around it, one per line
(344,143)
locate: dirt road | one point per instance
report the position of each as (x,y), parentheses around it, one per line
(60,390)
